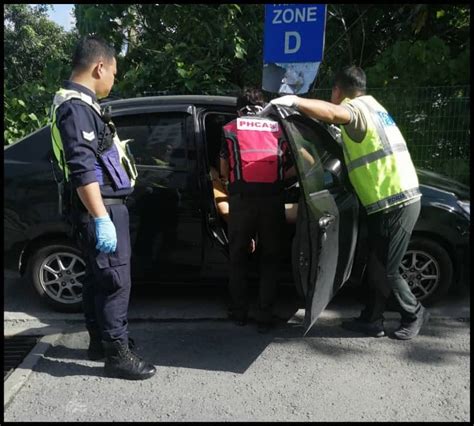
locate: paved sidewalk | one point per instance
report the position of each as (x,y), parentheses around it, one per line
(215,371)
(209,369)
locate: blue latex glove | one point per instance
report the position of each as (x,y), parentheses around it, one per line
(105,234)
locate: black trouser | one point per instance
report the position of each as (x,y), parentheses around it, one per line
(389,235)
(107,282)
(250,216)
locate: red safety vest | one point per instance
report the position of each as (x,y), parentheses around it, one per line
(256,147)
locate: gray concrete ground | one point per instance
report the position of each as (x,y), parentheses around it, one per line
(208,369)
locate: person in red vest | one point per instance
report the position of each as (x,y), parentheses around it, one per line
(254,159)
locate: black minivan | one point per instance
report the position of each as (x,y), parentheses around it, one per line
(177,235)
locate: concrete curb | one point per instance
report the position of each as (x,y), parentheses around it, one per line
(20,375)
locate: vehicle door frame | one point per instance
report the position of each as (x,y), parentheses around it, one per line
(191,139)
(316,261)
(211,217)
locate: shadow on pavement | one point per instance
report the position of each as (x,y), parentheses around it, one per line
(216,344)
(225,347)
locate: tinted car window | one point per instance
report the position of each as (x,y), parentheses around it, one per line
(158,140)
(310,156)
(328,179)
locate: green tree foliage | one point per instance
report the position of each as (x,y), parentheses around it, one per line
(217,49)
(407,45)
(433,49)
(177,48)
(404,49)
(36,59)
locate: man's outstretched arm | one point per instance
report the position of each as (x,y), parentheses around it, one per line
(322,110)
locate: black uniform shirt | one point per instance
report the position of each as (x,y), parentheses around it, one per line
(80,127)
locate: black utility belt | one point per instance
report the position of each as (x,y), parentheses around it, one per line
(110,201)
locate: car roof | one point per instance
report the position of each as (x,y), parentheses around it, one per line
(230,101)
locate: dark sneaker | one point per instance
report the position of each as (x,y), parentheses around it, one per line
(410,330)
(122,363)
(95,351)
(373,329)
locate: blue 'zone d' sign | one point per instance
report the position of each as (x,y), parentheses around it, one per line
(294,33)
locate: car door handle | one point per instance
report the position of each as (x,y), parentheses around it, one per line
(326,220)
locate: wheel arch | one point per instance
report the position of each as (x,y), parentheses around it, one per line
(444,243)
(36,243)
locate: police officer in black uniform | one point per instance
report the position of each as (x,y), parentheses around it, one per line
(100,176)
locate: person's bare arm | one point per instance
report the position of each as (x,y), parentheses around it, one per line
(92,199)
(324,111)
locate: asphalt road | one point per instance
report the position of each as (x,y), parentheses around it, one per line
(208,369)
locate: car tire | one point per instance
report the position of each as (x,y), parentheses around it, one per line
(55,271)
(428,270)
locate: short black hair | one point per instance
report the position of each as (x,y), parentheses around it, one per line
(250,96)
(89,50)
(351,80)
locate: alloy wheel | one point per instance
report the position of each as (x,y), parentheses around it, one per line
(422,273)
(61,277)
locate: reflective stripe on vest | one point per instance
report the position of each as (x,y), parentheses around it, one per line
(393,200)
(380,167)
(375,156)
(64,95)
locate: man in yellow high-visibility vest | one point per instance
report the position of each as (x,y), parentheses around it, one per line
(382,173)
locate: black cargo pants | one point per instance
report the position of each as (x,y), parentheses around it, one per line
(389,236)
(107,282)
(264,216)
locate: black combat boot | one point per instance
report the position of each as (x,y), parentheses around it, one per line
(95,351)
(121,362)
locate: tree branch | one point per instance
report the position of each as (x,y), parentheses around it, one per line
(363,37)
(342,35)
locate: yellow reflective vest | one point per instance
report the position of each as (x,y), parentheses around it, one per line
(380,167)
(63,95)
